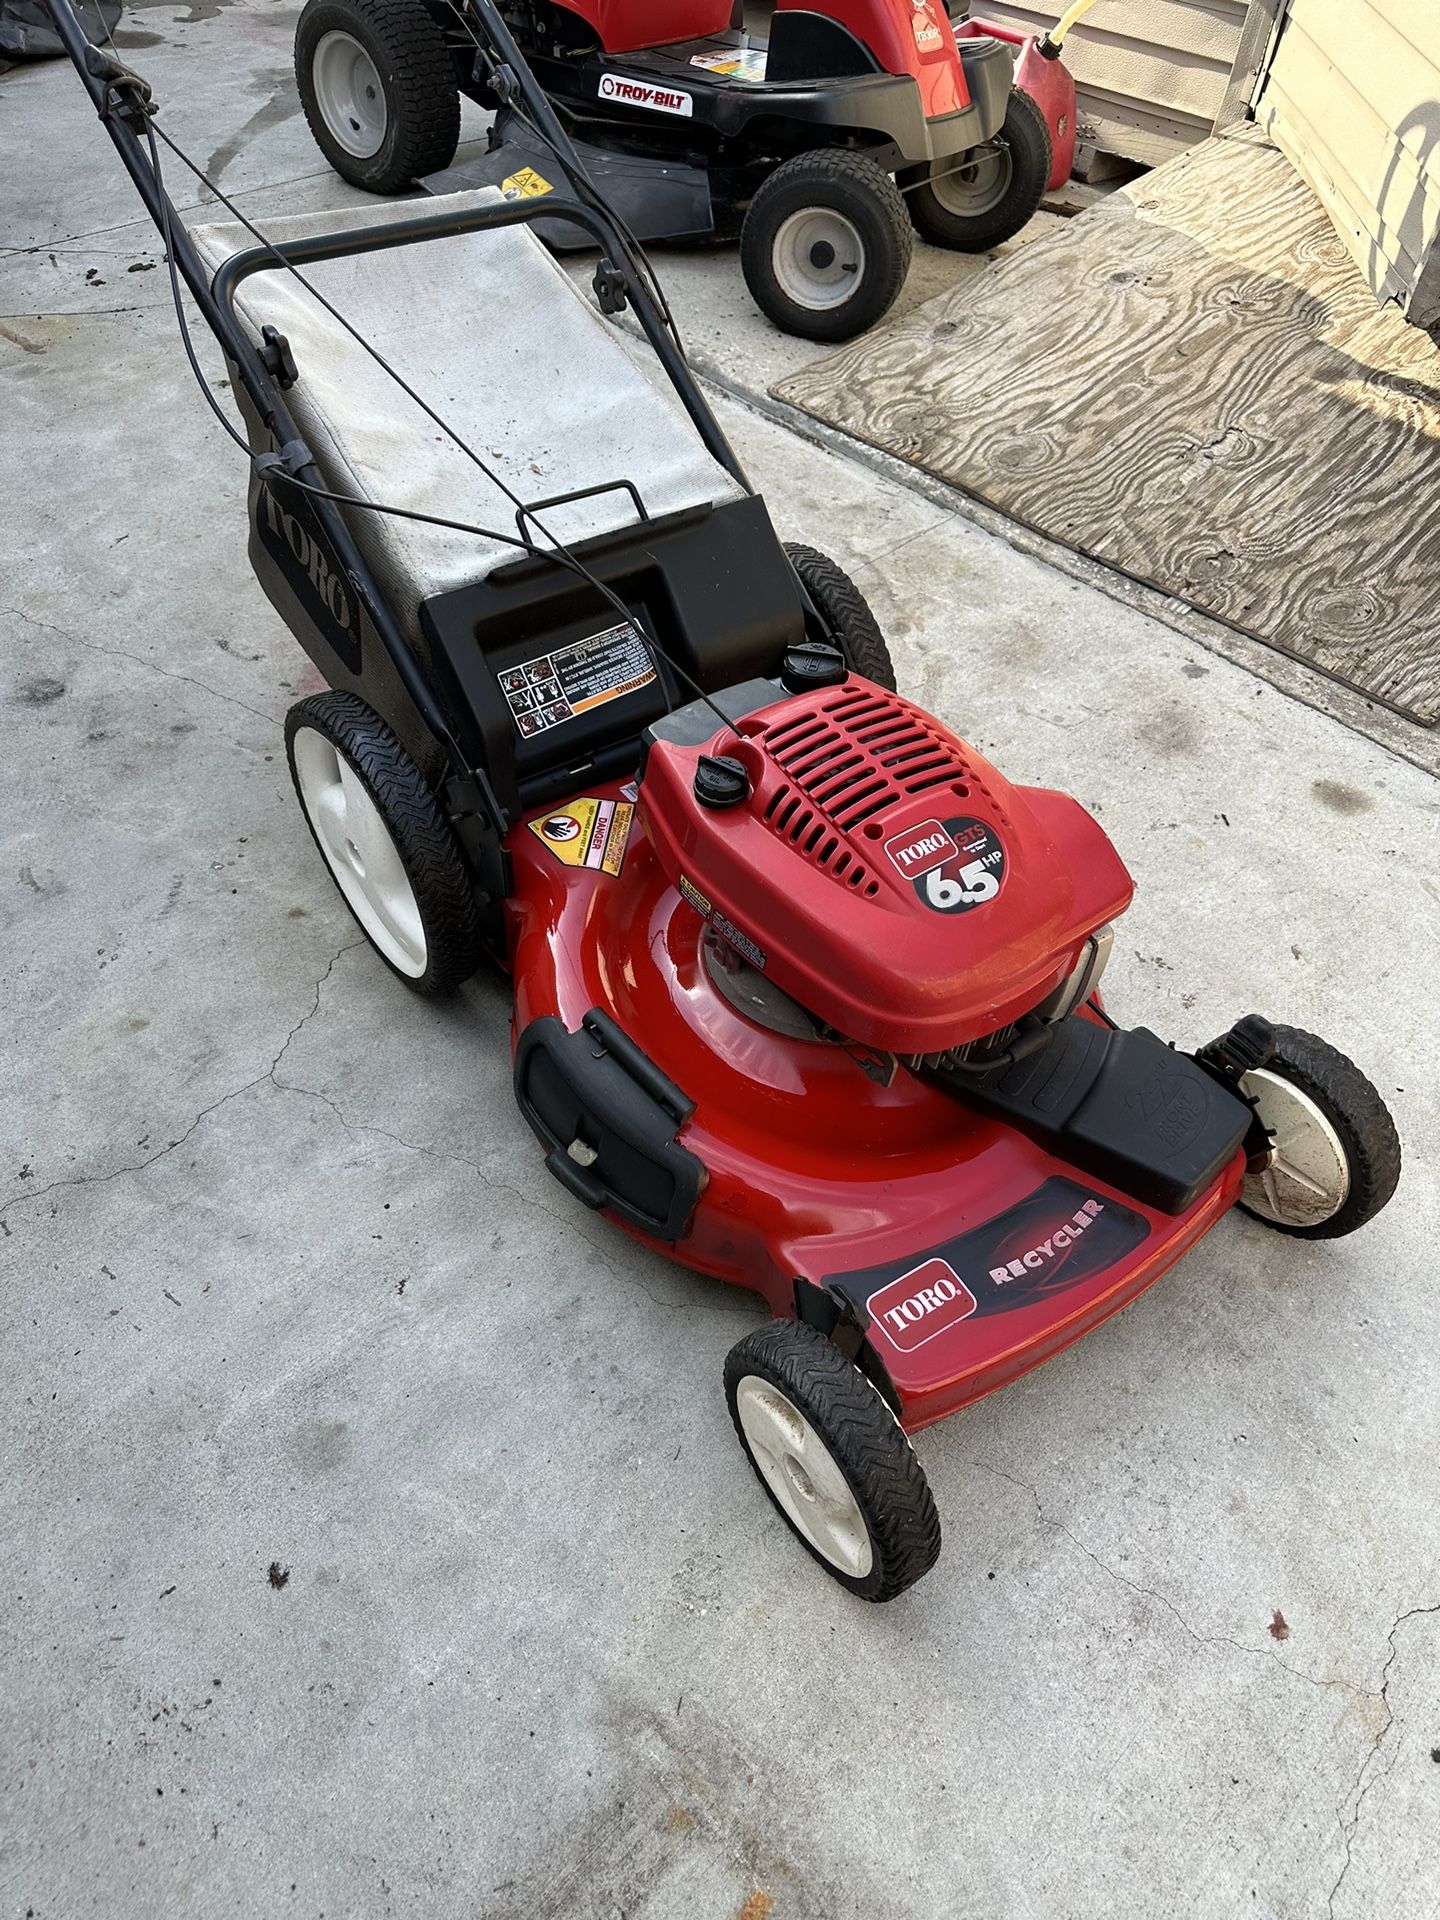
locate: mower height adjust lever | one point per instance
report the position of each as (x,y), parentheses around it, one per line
(612,289)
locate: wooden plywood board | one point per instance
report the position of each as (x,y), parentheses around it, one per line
(1191,382)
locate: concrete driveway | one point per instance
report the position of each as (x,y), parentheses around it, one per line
(375,1541)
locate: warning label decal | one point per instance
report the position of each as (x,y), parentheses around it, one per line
(525,185)
(587,833)
(556,687)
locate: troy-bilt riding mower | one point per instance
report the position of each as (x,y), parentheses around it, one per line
(694,130)
(806,993)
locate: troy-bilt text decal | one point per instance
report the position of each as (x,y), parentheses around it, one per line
(638,93)
(587,833)
(954,865)
(927,34)
(556,687)
(1056,1238)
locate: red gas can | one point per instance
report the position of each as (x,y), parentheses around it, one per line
(1049,83)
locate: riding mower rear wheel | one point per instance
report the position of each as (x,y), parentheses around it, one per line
(826,245)
(971,201)
(378,89)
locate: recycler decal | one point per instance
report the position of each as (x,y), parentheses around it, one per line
(1054,1239)
(953,865)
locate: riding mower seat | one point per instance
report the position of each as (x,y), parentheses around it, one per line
(466,320)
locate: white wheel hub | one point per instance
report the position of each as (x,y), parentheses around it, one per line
(360,852)
(349,94)
(801,1472)
(818,258)
(1308,1179)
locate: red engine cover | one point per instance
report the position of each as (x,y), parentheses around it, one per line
(882,873)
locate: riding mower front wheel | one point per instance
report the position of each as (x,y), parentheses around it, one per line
(386,841)
(378,88)
(968,202)
(826,245)
(833,1459)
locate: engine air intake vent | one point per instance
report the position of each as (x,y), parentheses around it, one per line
(849,759)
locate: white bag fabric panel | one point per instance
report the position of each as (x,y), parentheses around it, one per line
(508,351)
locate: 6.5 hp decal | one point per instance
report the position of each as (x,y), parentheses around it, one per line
(1058,1237)
(954,865)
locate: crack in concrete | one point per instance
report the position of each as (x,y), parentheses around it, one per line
(21,1197)
(525,1197)
(1147,1593)
(94,646)
(1369,1774)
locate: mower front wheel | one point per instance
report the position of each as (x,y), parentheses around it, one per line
(833,1459)
(378,88)
(826,245)
(846,612)
(1336,1154)
(968,202)
(390,849)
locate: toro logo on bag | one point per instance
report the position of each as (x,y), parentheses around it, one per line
(921,1304)
(636,93)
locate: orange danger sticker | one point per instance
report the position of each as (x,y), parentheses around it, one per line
(587,833)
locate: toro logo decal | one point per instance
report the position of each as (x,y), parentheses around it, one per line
(954,865)
(636,93)
(921,1304)
(916,851)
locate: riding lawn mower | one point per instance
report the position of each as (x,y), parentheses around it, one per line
(820,147)
(807,995)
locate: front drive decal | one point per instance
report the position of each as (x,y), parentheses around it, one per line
(637,93)
(587,833)
(955,864)
(556,687)
(1058,1237)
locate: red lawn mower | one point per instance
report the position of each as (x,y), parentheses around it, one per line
(819,146)
(806,993)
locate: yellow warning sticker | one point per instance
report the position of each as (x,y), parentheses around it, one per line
(587,833)
(525,185)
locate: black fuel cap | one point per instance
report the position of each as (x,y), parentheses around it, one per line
(812,665)
(720,781)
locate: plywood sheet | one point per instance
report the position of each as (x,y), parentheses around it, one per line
(1193,383)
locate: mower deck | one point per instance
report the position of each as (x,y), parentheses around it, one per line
(958,1251)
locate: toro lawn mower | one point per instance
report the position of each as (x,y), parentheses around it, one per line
(806,993)
(819,147)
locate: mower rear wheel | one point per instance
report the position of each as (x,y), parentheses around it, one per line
(846,612)
(826,245)
(970,201)
(378,88)
(388,845)
(833,1459)
(1336,1152)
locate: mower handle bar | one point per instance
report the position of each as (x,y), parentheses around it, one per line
(124,103)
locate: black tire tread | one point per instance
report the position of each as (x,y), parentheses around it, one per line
(1358,1114)
(867,1443)
(1028,136)
(831,173)
(415,63)
(848,612)
(422,834)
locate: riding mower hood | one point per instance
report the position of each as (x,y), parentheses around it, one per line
(820,146)
(807,995)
